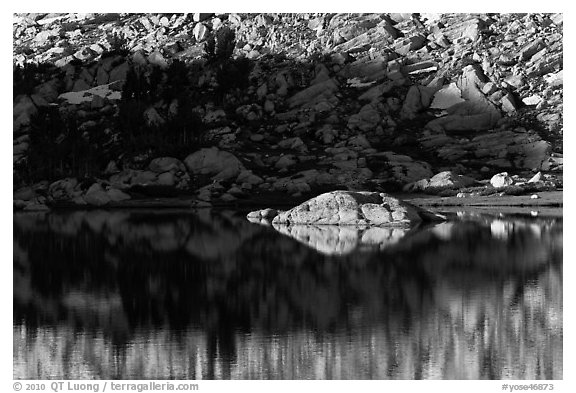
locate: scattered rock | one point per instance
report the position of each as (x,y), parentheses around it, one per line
(469,70)
(536,178)
(501,180)
(441,181)
(532,100)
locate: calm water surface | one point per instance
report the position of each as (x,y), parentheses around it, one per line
(209,295)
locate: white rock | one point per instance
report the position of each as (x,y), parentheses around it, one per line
(500,180)
(532,100)
(536,178)
(200,32)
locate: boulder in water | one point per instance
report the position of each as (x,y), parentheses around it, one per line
(353,208)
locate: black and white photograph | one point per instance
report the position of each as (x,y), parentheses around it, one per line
(287,196)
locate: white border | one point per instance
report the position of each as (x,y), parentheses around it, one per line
(301,6)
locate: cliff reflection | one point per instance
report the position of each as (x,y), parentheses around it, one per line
(160,295)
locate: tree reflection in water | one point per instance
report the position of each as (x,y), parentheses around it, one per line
(160,295)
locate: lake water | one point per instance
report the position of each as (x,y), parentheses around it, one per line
(208,295)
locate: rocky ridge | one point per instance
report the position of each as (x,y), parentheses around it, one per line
(364,101)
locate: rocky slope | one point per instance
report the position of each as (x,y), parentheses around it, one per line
(223,107)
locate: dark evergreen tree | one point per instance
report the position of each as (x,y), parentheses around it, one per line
(177,80)
(219,48)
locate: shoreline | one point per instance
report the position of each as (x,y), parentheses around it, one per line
(549,200)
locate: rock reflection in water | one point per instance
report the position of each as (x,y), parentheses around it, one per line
(161,295)
(339,240)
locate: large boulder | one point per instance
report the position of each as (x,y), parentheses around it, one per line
(351,208)
(219,164)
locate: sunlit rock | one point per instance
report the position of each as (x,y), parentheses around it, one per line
(102,91)
(263,214)
(351,208)
(441,181)
(500,180)
(447,96)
